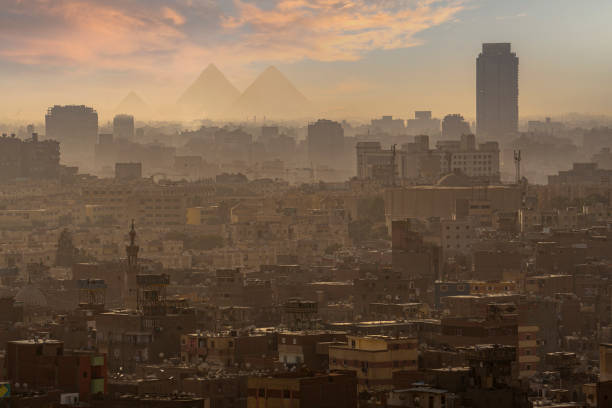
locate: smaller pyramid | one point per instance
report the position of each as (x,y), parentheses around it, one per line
(210,94)
(272,95)
(133,104)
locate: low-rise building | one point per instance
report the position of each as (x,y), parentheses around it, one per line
(375,359)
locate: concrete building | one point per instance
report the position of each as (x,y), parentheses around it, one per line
(605,362)
(123,127)
(423,124)
(128,171)
(527,350)
(454,126)
(76,128)
(440,201)
(31,158)
(496,91)
(325,142)
(43,363)
(375,359)
(547,127)
(464,156)
(457,236)
(376,163)
(338,390)
(388,125)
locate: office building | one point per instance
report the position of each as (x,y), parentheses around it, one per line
(496,91)
(76,128)
(454,126)
(123,126)
(32,158)
(423,124)
(325,142)
(388,125)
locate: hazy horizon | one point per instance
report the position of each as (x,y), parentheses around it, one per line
(358,59)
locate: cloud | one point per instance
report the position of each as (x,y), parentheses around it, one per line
(164,36)
(519,15)
(173,16)
(330,30)
(77,33)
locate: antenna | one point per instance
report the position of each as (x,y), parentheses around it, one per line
(393,153)
(517,163)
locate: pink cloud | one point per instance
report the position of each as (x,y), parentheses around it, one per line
(90,34)
(335,29)
(151,36)
(173,15)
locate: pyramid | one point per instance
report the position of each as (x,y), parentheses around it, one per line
(271,95)
(133,104)
(210,94)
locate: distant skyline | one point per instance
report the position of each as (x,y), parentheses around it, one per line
(359,58)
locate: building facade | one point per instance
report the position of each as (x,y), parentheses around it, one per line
(496,91)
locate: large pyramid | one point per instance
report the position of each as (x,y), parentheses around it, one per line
(133,104)
(210,94)
(271,95)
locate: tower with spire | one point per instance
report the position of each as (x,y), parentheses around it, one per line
(131,270)
(132,249)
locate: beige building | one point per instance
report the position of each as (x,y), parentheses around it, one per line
(605,362)
(457,236)
(375,359)
(440,201)
(528,351)
(29,218)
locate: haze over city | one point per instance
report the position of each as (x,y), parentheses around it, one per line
(352,59)
(305,204)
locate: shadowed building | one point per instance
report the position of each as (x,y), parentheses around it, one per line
(496,91)
(75,127)
(325,142)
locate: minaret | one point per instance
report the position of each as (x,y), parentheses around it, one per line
(132,249)
(130,290)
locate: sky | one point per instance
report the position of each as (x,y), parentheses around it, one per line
(354,58)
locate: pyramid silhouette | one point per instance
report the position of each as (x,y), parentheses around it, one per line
(133,104)
(271,95)
(210,94)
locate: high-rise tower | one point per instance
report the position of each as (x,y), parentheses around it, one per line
(496,91)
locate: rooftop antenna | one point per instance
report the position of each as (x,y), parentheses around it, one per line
(517,163)
(393,153)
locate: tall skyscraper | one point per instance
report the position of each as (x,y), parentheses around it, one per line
(496,91)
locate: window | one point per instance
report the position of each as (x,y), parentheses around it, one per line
(286,394)
(262,392)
